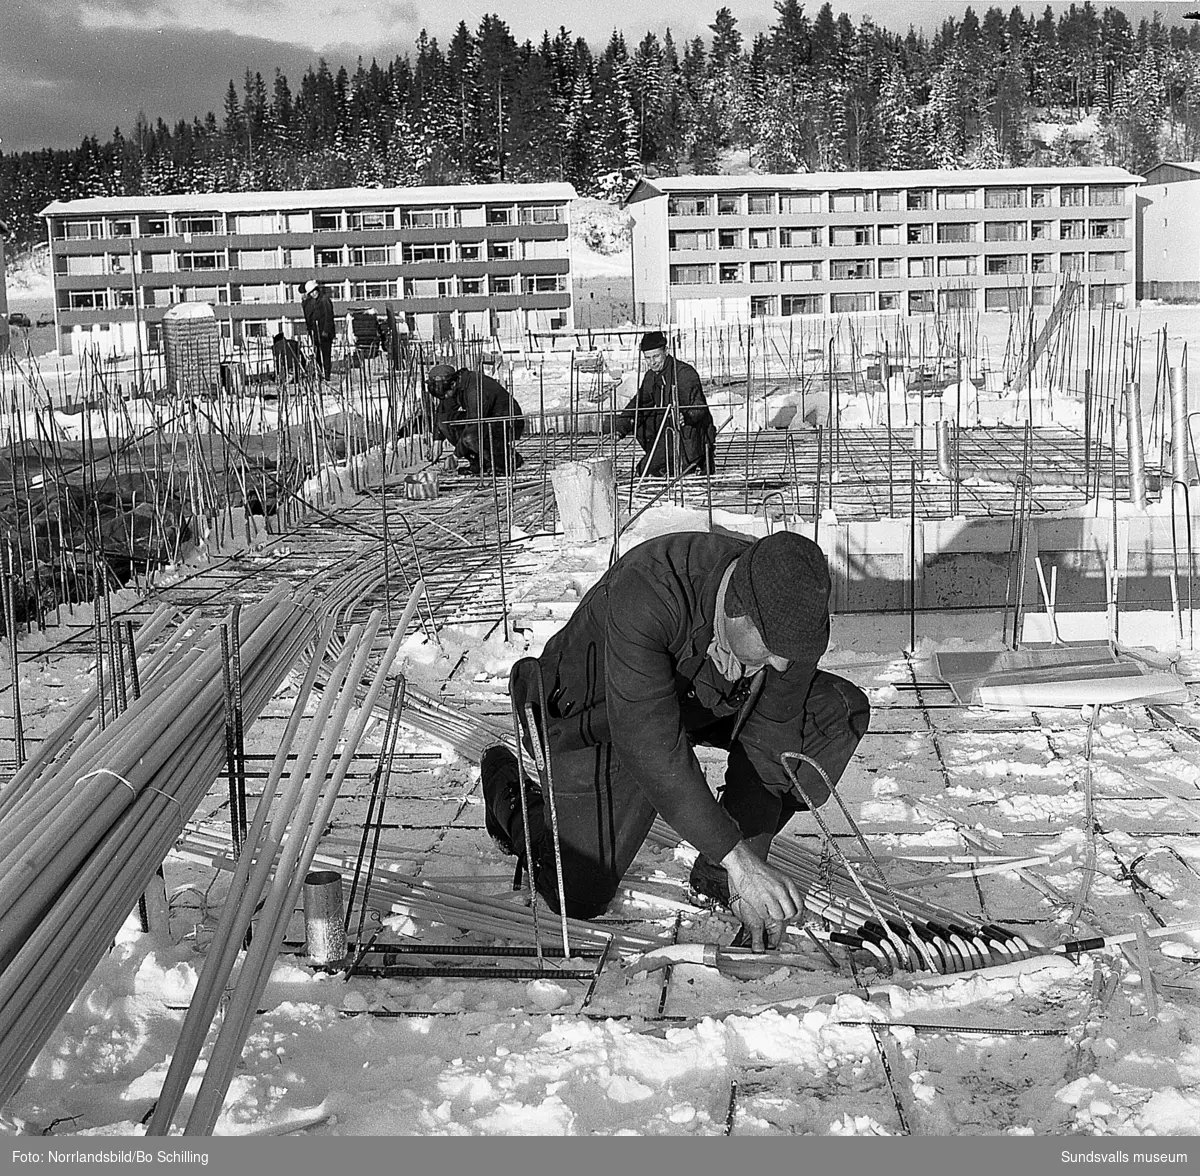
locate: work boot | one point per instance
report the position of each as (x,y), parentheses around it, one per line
(501,780)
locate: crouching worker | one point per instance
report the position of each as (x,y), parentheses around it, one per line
(669,415)
(476,415)
(688,639)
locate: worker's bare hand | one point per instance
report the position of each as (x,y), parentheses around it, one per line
(762,898)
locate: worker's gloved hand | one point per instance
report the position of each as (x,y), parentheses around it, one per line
(760,896)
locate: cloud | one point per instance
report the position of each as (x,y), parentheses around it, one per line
(61,81)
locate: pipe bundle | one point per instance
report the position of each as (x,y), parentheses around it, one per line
(88,820)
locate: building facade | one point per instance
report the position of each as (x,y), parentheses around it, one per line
(489,259)
(732,248)
(1168,210)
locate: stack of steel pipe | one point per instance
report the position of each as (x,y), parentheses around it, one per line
(951,941)
(82,832)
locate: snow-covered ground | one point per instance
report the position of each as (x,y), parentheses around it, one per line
(1057,1047)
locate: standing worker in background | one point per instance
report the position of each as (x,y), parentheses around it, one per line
(478,417)
(319,318)
(690,638)
(669,415)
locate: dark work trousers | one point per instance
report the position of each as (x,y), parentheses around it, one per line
(324,350)
(603,816)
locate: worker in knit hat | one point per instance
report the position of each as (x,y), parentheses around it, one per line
(689,638)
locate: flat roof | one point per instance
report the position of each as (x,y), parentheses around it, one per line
(310,198)
(927,177)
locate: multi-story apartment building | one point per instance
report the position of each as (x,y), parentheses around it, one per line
(489,259)
(1168,210)
(709,248)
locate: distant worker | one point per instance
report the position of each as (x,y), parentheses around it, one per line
(479,417)
(319,318)
(669,415)
(289,363)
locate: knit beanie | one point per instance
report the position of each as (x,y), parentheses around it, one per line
(782,584)
(653,341)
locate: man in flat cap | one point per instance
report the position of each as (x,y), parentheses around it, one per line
(669,415)
(319,319)
(478,416)
(689,638)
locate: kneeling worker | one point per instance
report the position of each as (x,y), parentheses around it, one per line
(690,638)
(479,417)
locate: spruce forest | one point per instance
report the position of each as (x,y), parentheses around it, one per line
(809,94)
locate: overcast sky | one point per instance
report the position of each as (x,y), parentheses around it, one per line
(72,68)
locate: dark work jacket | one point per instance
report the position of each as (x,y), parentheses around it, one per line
(631,668)
(477,399)
(643,416)
(319,317)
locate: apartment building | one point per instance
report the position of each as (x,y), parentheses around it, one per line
(1168,210)
(732,248)
(488,259)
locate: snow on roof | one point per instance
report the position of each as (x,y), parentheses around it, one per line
(931,177)
(311,198)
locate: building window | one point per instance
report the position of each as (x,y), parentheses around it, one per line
(850,201)
(243,294)
(1040,230)
(1039,263)
(217,295)
(541,214)
(956,198)
(256,222)
(86,300)
(249,259)
(1106,295)
(1106,262)
(1004,263)
(1041,197)
(687,206)
(889,267)
(154,226)
(889,201)
(762,306)
(1106,230)
(801,304)
(760,204)
(1042,295)
(919,199)
(889,234)
(415,253)
(499,251)
(956,267)
(1010,298)
(425,218)
(372,218)
(762,238)
(498,215)
(799,202)
(122,228)
(201,261)
(327,222)
(1004,198)
(470,287)
(762,271)
(850,235)
(800,271)
(955,234)
(797,238)
(1071,196)
(729,205)
(851,303)
(729,238)
(920,302)
(553,283)
(1004,231)
(856,269)
(1107,195)
(469,252)
(1071,230)
(956,299)
(502,284)
(198,224)
(369,255)
(1070,263)
(372,291)
(83,230)
(919,234)
(328,257)
(889,300)
(691,239)
(920,267)
(730,271)
(691,275)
